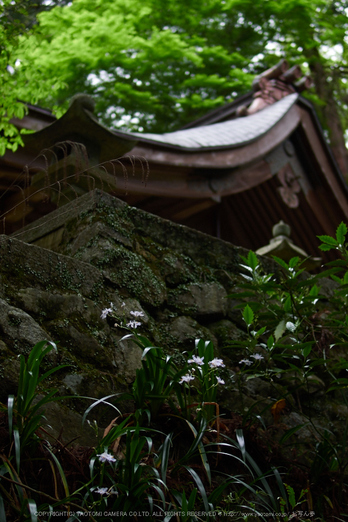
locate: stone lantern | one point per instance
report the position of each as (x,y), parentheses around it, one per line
(282,246)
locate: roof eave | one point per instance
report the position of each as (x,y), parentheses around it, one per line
(228,156)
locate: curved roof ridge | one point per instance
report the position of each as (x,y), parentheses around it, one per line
(230,133)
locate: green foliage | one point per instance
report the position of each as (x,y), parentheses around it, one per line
(293,343)
(203,369)
(328,242)
(139,57)
(133,468)
(289,500)
(25,414)
(19,80)
(160,381)
(156,379)
(170,453)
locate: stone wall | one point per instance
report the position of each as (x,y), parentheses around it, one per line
(58,274)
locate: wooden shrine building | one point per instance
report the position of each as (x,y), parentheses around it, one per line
(233,174)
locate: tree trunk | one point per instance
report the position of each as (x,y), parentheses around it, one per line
(324,87)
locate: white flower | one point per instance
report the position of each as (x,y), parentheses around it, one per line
(246,361)
(196,360)
(220,381)
(106,457)
(106,312)
(257,356)
(101,491)
(104,491)
(186,378)
(290,326)
(136,313)
(216,363)
(123,304)
(133,324)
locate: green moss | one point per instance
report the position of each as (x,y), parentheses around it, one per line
(130,272)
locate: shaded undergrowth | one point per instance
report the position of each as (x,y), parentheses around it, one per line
(177,455)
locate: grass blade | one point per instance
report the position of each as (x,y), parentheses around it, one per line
(241,443)
(290,432)
(280,485)
(205,461)
(200,487)
(10,404)
(261,477)
(97,402)
(17,443)
(165,456)
(61,473)
(32,510)
(2,510)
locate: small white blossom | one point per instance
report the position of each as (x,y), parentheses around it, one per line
(216,363)
(290,326)
(123,304)
(136,313)
(133,324)
(104,491)
(196,360)
(101,491)
(246,361)
(106,457)
(186,378)
(257,356)
(220,381)
(107,311)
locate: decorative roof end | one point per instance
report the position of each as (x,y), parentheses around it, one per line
(273,85)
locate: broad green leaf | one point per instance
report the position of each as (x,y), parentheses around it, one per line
(325,247)
(261,331)
(280,329)
(281,262)
(270,342)
(328,240)
(306,351)
(288,303)
(339,384)
(314,291)
(248,315)
(293,262)
(252,260)
(291,494)
(341,233)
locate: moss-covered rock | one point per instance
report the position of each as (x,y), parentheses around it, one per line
(58,275)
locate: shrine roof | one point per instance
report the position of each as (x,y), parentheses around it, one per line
(227,134)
